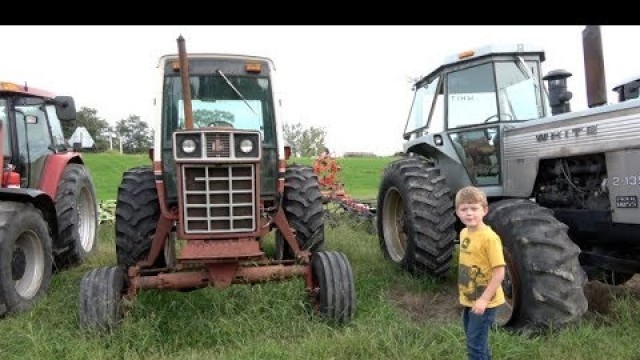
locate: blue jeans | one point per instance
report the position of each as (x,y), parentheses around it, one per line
(476,329)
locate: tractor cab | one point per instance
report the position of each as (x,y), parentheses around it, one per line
(460,109)
(31,130)
(234,117)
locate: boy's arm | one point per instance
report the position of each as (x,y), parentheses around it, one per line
(481,303)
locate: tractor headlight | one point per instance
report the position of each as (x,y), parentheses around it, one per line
(189,146)
(246,146)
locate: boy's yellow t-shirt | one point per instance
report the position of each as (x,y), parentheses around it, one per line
(480,252)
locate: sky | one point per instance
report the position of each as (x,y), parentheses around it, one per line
(355,82)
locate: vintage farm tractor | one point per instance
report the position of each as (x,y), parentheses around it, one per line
(563,186)
(48,208)
(219,185)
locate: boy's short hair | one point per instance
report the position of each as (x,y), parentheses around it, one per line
(471,195)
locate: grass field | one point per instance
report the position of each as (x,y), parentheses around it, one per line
(271,321)
(107,169)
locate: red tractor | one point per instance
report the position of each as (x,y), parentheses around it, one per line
(218,186)
(48,208)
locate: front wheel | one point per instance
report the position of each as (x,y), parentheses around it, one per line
(334,293)
(544,280)
(25,256)
(100,302)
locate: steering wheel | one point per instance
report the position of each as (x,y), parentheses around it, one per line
(220,123)
(498,116)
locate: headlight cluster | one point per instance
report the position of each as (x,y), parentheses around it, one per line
(215,145)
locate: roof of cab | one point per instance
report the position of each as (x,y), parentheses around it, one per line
(486,51)
(169,57)
(10,87)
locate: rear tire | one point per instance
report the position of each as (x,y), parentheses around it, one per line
(100,305)
(137,214)
(544,280)
(77,211)
(302,204)
(415,217)
(335,293)
(25,256)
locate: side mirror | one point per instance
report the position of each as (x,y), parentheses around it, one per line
(65,108)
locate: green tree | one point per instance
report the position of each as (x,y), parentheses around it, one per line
(89,119)
(135,134)
(203,118)
(304,141)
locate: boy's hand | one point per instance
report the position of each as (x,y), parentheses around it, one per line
(479,306)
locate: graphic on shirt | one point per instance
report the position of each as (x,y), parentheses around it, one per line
(465,243)
(472,282)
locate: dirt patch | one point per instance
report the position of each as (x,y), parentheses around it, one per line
(443,306)
(602,296)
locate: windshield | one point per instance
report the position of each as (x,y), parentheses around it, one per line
(216,103)
(491,92)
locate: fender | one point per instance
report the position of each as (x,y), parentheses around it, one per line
(39,199)
(53,171)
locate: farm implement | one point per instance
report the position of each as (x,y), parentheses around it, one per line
(338,204)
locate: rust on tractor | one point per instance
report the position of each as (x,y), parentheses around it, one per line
(216,250)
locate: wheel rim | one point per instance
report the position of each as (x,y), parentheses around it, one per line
(395,237)
(27,264)
(87,220)
(511,288)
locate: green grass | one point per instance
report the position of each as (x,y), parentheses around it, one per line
(107,168)
(272,321)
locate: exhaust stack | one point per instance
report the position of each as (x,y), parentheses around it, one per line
(186,87)
(594,66)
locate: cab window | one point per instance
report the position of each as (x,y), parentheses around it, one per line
(6,146)
(471,96)
(427,110)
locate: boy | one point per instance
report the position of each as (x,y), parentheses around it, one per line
(480,271)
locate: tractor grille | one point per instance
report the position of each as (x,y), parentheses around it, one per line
(218,145)
(219,199)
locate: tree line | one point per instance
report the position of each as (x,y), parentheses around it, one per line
(137,136)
